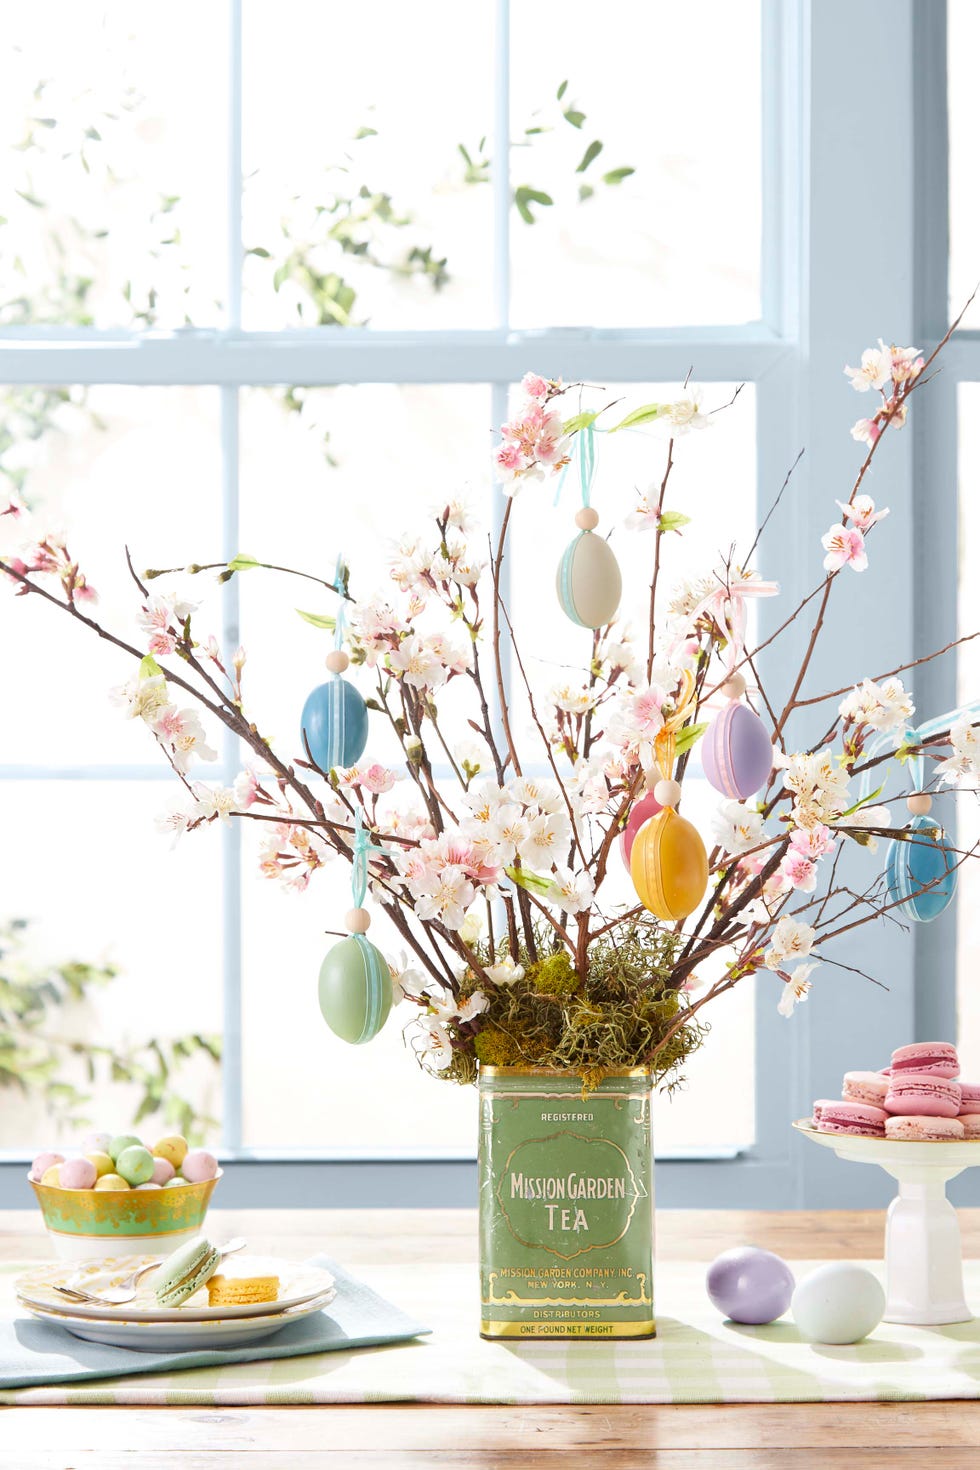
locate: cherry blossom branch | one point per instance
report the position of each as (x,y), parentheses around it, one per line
(901,669)
(655,577)
(223,566)
(496,562)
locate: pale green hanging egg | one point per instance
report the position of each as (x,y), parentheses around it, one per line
(355,989)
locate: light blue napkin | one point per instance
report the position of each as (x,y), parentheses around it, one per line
(34,1352)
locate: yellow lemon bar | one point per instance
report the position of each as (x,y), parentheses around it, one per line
(241,1291)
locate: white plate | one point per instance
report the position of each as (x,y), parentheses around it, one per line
(183,1336)
(938,1152)
(298,1283)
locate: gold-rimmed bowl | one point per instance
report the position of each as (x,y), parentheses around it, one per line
(125,1222)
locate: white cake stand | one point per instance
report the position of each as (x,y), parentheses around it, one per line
(923,1251)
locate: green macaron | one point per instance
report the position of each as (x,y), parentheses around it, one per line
(185,1271)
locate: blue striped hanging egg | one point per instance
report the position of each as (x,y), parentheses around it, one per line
(920,872)
(334,724)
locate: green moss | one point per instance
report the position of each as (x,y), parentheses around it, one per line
(554,976)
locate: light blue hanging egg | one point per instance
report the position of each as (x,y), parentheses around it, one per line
(355,989)
(921,861)
(334,724)
(589,583)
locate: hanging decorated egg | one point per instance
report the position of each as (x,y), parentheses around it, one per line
(589,582)
(641,811)
(334,723)
(736,752)
(915,863)
(355,989)
(669,866)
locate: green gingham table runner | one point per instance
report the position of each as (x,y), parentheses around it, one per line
(697,1358)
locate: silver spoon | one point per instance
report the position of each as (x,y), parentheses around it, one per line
(118,1296)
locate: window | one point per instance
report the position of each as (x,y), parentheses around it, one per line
(257,312)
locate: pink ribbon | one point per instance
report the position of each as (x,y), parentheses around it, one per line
(726,605)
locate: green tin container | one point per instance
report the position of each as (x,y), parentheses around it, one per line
(566,1205)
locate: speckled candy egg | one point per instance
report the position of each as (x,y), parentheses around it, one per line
(334,724)
(589,582)
(640,812)
(355,989)
(736,752)
(912,865)
(750,1285)
(669,866)
(838,1303)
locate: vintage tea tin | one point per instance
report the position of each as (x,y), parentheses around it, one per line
(566,1205)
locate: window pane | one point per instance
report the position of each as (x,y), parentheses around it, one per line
(101,887)
(110,467)
(396,451)
(968,679)
(676,240)
(365,135)
(963,32)
(113,131)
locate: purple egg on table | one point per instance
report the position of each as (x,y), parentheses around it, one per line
(736,752)
(750,1285)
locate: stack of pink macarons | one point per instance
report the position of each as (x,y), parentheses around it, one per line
(918,1097)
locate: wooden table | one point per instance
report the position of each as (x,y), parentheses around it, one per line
(674,1437)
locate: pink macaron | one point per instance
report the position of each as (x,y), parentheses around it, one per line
(920,1096)
(865,1087)
(849,1117)
(937,1058)
(971,1124)
(969,1097)
(925,1130)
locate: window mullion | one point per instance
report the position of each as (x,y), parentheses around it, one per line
(233,213)
(500,171)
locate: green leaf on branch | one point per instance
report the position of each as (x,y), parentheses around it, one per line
(589,156)
(524,197)
(585,191)
(533,882)
(243,563)
(643,415)
(865,801)
(318,620)
(149,668)
(579,421)
(563,88)
(365,133)
(260,251)
(672,520)
(617,175)
(690,735)
(574,117)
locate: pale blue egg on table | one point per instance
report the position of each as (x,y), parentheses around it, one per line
(838,1304)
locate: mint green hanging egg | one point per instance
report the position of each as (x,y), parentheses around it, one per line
(589,582)
(355,989)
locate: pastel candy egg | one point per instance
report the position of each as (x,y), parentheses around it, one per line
(334,724)
(111,1182)
(175,1183)
(78,1174)
(135,1164)
(96,1143)
(163,1171)
(921,861)
(173,1148)
(669,866)
(641,811)
(119,1143)
(589,582)
(355,989)
(750,1285)
(52,1176)
(736,752)
(149,1185)
(43,1162)
(103,1164)
(199,1165)
(838,1303)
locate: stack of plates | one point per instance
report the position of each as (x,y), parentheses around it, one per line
(142,1324)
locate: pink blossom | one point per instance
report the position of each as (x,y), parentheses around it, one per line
(797,871)
(906,363)
(16,565)
(155,615)
(246,789)
(845,547)
(83,591)
(15,507)
(861,512)
(534,386)
(813,842)
(866,431)
(161,643)
(38,557)
(378,778)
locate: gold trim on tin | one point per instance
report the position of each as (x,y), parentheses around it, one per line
(489,1071)
(571,1330)
(511,1299)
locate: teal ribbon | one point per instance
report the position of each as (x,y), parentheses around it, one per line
(361,848)
(583,456)
(340,626)
(915,735)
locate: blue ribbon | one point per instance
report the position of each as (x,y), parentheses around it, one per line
(340,626)
(915,735)
(584,457)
